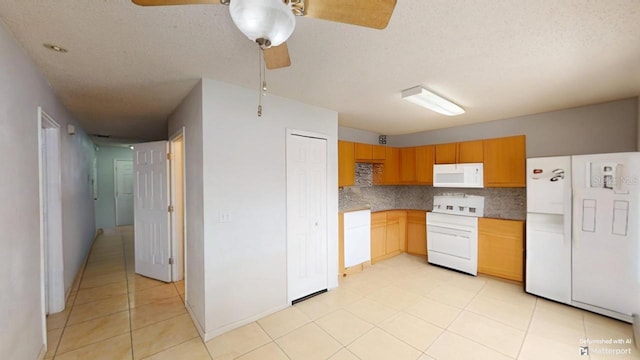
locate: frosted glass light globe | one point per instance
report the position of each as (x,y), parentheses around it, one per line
(272,20)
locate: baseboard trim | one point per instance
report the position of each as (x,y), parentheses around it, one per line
(221,330)
(75,285)
(43,352)
(195,321)
(636,329)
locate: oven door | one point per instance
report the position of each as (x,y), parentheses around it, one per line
(452,241)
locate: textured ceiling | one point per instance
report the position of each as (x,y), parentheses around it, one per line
(128,67)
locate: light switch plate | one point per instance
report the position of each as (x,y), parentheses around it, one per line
(224,216)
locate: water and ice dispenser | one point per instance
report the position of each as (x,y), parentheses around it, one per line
(605,175)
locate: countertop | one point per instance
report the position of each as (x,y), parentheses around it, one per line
(356,207)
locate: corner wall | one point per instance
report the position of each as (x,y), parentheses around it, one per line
(105,206)
(22,90)
(189,115)
(245,174)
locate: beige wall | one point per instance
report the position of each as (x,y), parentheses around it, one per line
(357,135)
(22,91)
(599,128)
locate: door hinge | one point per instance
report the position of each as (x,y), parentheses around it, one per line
(168,156)
(170,208)
(170,261)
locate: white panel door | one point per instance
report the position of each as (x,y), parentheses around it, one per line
(124,192)
(151,203)
(307,261)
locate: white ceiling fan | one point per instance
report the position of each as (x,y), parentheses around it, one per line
(270,22)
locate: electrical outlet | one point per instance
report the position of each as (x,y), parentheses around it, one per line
(224,216)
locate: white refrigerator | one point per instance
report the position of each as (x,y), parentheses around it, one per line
(582,231)
(548,265)
(605,246)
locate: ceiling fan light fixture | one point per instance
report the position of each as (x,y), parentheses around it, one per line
(427,99)
(271,20)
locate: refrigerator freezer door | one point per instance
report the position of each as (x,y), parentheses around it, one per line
(548,263)
(549,185)
(605,233)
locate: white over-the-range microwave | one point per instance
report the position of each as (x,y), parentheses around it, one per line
(458,175)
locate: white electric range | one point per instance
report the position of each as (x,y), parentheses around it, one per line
(452,231)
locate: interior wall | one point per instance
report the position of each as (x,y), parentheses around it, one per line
(245,175)
(357,135)
(105,206)
(189,115)
(22,90)
(600,128)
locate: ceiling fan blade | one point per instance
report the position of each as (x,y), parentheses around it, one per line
(277,57)
(370,13)
(173,2)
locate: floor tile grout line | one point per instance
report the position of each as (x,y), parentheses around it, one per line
(157,322)
(124,249)
(75,297)
(170,347)
(89,344)
(526,333)
(272,340)
(477,294)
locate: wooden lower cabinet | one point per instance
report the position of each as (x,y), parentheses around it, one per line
(396,230)
(501,248)
(417,232)
(378,235)
(388,233)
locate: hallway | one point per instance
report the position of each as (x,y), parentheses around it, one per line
(113,313)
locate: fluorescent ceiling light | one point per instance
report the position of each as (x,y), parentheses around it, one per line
(425,98)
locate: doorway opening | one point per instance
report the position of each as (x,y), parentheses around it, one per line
(53,297)
(177,193)
(159,209)
(123,186)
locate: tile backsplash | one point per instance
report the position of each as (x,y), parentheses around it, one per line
(504,203)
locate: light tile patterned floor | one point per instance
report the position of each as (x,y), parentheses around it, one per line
(398,309)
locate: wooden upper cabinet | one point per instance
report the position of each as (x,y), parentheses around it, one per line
(470,152)
(379,152)
(458,153)
(370,153)
(408,165)
(389,172)
(425,158)
(505,162)
(446,153)
(364,152)
(501,248)
(346,163)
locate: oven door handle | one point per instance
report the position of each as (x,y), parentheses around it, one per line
(451,226)
(450,234)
